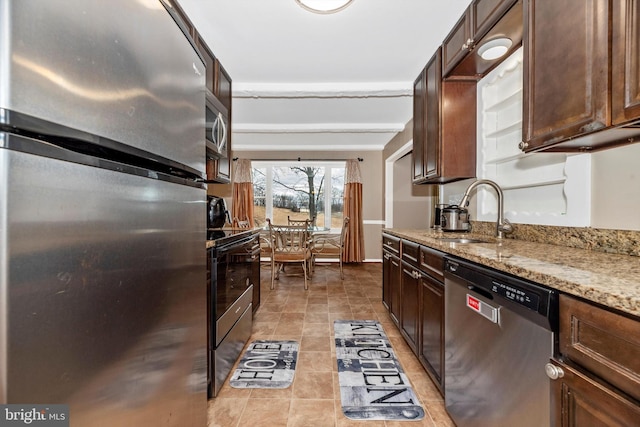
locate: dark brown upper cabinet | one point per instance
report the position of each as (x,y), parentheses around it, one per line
(483,20)
(458,43)
(625,61)
(223,86)
(444,126)
(574,73)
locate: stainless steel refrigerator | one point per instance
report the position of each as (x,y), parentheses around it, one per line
(102,213)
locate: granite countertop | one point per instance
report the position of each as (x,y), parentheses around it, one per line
(612,280)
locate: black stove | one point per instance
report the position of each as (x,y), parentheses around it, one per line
(233,295)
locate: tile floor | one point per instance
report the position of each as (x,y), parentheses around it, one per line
(290,312)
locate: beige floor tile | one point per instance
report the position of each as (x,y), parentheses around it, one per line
(316,329)
(315,361)
(316,318)
(257,411)
(315,344)
(317,308)
(225,412)
(313,385)
(312,413)
(290,317)
(288,328)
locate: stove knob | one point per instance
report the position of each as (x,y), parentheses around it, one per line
(554,372)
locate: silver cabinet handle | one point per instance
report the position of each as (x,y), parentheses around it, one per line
(415,274)
(523,145)
(554,372)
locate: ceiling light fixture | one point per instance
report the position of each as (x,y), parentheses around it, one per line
(494,49)
(324,6)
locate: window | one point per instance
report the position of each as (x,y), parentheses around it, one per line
(300,191)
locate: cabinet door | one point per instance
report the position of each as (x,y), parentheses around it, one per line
(577,400)
(604,342)
(485,14)
(431,350)
(626,61)
(394,277)
(409,302)
(386,280)
(458,43)
(391,286)
(223,87)
(433,83)
(565,70)
(209,62)
(419,99)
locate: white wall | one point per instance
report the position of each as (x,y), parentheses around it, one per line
(412,204)
(615,181)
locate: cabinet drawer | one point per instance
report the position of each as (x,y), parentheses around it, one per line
(605,343)
(411,253)
(392,244)
(432,262)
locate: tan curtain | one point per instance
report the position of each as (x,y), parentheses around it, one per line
(242,201)
(354,246)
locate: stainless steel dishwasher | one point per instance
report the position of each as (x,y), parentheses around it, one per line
(499,334)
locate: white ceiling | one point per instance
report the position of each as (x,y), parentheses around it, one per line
(305,81)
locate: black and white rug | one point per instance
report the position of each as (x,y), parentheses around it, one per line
(373,385)
(266,364)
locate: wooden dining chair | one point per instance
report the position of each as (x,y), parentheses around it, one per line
(289,244)
(330,246)
(237,223)
(299,222)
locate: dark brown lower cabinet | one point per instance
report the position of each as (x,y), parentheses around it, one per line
(431,350)
(580,400)
(391,285)
(410,305)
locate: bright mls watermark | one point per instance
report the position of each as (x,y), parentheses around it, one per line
(34,415)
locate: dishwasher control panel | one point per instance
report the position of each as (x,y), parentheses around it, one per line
(519,295)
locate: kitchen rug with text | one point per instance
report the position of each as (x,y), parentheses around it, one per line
(266,364)
(373,385)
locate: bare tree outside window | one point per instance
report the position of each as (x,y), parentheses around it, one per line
(298,192)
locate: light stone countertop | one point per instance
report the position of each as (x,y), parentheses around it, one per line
(612,280)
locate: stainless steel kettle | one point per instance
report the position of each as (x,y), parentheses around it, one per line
(454,218)
(216,212)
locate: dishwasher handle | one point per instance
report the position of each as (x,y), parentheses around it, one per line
(484,309)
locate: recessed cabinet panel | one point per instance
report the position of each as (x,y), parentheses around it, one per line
(579,400)
(410,303)
(419,98)
(431,351)
(224,87)
(485,14)
(458,43)
(565,70)
(626,61)
(606,343)
(432,116)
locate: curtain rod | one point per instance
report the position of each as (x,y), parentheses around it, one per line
(299,159)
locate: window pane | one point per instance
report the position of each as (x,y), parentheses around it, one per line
(337,194)
(295,191)
(259,196)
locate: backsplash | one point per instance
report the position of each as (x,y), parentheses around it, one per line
(626,242)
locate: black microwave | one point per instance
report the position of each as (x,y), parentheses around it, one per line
(217,126)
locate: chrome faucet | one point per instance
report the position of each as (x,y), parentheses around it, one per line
(503,226)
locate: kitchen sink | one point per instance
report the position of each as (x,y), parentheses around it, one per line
(462,240)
